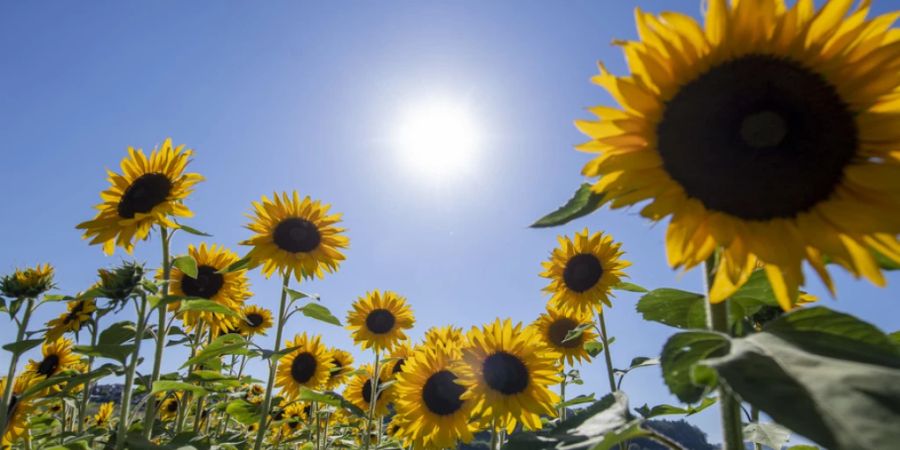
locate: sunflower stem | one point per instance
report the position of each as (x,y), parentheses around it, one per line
(82,408)
(129,373)
(494,435)
(373,399)
(606,354)
(161,332)
(13,364)
(273,364)
(562,396)
(717,320)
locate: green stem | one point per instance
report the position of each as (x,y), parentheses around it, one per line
(494,435)
(273,365)
(606,353)
(373,403)
(13,363)
(129,374)
(562,396)
(161,332)
(717,320)
(86,394)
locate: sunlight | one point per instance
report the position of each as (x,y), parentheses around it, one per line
(438,139)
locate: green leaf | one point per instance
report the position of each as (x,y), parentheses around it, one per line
(202,304)
(579,400)
(117,334)
(187,265)
(673,307)
(584,202)
(330,398)
(116,352)
(642,361)
(193,230)
(630,287)
(243,411)
(17,348)
(226,344)
(810,372)
(576,332)
(771,435)
(297,295)
(593,348)
(895,338)
(680,355)
(169,385)
(238,265)
(319,312)
(884,262)
(57,297)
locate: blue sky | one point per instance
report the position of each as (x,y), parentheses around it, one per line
(283,95)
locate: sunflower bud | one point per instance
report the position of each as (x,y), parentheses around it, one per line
(121,282)
(27,283)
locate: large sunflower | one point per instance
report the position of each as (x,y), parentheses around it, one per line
(79,312)
(254,320)
(18,411)
(57,358)
(359,391)
(553,327)
(772,134)
(507,370)
(583,272)
(295,236)
(309,365)
(342,365)
(377,320)
(429,400)
(148,192)
(229,289)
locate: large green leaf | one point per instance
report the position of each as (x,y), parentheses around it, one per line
(236,266)
(584,202)
(227,344)
(187,265)
(679,361)
(243,411)
(319,312)
(117,333)
(770,434)
(202,304)
(673,307)
(825,375)
(115,352)
(19,347)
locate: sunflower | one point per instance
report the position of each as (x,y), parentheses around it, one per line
(55,408)
(583,272)
(27,283)
(255,394)
(57,358)
(399,356)
(342,362)
(359,391)
(79,312)
(448,337)
(378,320)
(309,365)
(295,416)
(120,282)
(553,327)
(18,412)
(104,415)
(229,289)
(506,371)
(150,191)
(771,134)
(295,236)
(429,400)
(255,320)
(168,409)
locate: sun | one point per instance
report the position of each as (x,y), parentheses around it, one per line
(438,139)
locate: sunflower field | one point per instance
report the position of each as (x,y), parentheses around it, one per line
(804,98)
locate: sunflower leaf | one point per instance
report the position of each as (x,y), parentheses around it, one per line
(115,352)
(584,202)
(681,353)
(236,266)
(244,411)
(673,307)
(117,334)
(630,287)
(884,262)
(19,347)
(319,312)
(576,332)
(192,230)
(227,344)
(202,304)
(593,348)
(297,295)
(187,265)
(169,385)
(770,434)
(330,398)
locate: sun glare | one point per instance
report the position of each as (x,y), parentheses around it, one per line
(438,140)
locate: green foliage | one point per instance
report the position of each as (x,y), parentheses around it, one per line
(320,313)
(584,202)
(226,344)
(187,265)
(679,361)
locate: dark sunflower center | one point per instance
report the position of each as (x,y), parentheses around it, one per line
(441,394)
(380,321)
(73,314)
(337,368)
(559,329)
(145,192)
(582,272)
(367,391)
(398,367)
(206,285)
(172,406)
(505,373)
(12,405)
(297,235)
(303,368)
(757,137)
(48,365)
(254,319)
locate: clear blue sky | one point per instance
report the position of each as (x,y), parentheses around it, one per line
(289,95)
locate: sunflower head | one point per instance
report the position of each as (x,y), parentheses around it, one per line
(228,289)
(296,236)
(255,320)
(149,192)
(507,372)
(19,411)
(295,416)
(168,408)
(79,312)
(104,415)
(582,272)
(448,337)
(27,283)
(57,358)
(359,391)
(429,400)
(120,282)
(342,365)
(378,320)
(554,327)
(398,357)
(309,365)
(770,134)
